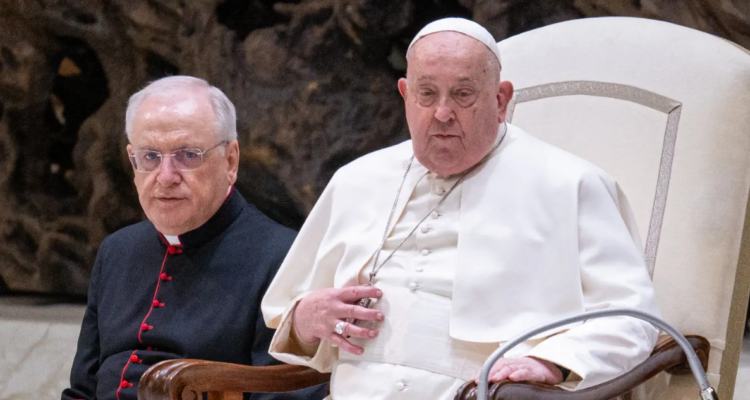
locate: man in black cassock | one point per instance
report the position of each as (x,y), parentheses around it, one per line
(188,282)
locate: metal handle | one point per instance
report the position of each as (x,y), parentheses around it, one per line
(707,392)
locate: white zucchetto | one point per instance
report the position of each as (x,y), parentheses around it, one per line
(460,25)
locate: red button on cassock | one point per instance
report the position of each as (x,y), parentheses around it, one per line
(165,277)
(124,384)
(145,327)
(134,358)
(155,303)
(174,250)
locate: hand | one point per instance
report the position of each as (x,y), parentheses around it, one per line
(528,369)
(317,314)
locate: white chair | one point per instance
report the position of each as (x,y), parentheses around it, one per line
(665,110)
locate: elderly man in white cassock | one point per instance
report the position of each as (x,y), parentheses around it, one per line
(420,259)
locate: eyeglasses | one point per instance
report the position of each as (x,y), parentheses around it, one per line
(183,159)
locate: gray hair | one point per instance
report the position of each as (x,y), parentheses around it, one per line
(226,115)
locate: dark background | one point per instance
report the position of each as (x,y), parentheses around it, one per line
(314,83)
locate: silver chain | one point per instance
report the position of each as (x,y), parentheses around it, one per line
(376,255)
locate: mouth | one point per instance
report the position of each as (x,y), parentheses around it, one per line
(169,200)
(444,136)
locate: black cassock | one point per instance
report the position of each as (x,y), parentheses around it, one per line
(149,301)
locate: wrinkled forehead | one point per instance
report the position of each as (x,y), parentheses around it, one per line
(451,55)
(175,114)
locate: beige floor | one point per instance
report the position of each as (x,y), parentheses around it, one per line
(37,345)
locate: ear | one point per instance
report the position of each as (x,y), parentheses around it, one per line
(504,95)
(402,88)
(232,153)
(129,149)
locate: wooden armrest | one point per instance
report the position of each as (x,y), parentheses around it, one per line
(186,379)
(667,356)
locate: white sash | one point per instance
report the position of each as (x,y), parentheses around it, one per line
(415,334)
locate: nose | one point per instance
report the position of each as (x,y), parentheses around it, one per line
(444,112)
(168,175)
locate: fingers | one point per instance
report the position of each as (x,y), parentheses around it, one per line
(344,344)
(489,377)
(351,330)
(525,375)
(499,364)
(521,369)
(517,375)
(360,313)
(354,293)
(502,374)
(316,316)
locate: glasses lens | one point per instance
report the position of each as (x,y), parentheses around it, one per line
(187,159)
(146,160)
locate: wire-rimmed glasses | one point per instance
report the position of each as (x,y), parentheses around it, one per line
(186,159)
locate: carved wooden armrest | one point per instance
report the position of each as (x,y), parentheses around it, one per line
(186,379)
(667,356)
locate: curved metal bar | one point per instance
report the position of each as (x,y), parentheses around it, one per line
(707,392)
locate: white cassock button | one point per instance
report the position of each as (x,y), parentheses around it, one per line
(425,252)
(400,386)
(434,215)
(425,228)
(413,286)
(439,190)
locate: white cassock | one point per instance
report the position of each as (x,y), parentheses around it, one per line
(533,235)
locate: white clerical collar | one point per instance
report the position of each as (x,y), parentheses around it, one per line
(175,240)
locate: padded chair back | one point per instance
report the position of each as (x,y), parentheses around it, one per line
(665,110)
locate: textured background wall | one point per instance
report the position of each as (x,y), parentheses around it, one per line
(313,82)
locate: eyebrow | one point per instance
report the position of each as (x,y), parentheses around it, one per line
(151,147)
(432,78)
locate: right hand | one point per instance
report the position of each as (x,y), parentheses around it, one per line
(317,314)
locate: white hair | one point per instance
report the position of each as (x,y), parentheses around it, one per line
(226,115)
